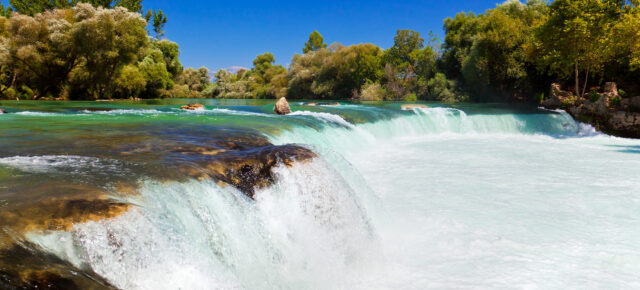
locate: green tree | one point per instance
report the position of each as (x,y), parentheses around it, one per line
(156,74)
(573,41)
(460,33)
(315,42)
(171,53)
(159,19)
(404,43)
(110,39)
(130,82)
(497,66)
(195,79)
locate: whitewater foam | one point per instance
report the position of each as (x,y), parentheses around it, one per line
(52,163)
(306,231)
(324,117)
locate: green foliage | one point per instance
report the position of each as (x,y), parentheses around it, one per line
(158,20)
(405,42)
(574,40)
(441,89)
(460,34)
(593,96)
(372,92)
(195,80)
(615,101)
(335,72)
(171,53)
(315,42)
(155,71)
(131,82)
(32,7)
(622,93)
(411,98)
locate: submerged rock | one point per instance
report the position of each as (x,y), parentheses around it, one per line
(409,107)
(193,107)
(282,107)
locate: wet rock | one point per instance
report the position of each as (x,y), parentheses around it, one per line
(248,170)
(322,104)
(282,107)
(60,214)
(2,111)
(625,123)
(193,107)
(409,107)
(26,266)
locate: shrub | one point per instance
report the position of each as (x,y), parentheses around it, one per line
(622,93)
(372,92)
(411,98)
(615,101)
(593,96)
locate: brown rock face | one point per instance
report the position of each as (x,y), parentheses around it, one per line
(409,107)
(247,170)
(626,123)
(192,107)
(557,97)
(282,107)
(633,104)
(611,88)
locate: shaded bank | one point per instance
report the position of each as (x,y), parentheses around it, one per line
(603,108)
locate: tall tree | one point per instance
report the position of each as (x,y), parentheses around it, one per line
(159,19)
(574,40)
(315,42)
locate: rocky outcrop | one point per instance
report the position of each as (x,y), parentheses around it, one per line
(609,112)
(631,104)
(282,107)
(192,107)
(626,124)
(558,97)
(409,107)
(247,170)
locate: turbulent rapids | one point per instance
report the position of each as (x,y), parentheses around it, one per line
(353,196)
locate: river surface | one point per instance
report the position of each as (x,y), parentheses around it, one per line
(143,195)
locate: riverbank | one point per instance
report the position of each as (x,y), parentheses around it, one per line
(607,109)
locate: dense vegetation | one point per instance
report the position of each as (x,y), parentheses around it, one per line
(510,53)
(62,49)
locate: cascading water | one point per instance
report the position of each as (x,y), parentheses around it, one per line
(428,198)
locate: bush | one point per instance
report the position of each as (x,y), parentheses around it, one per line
(622,93)
(541,98)
(593,96)
(615,101)
(372,92)
(411,98)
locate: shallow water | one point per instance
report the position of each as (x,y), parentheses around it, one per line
(472,196)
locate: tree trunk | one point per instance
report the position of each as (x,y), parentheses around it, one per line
(586,79)
(577,81)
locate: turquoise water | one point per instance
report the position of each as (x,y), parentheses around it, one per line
(467,196)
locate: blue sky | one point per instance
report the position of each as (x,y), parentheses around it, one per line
(223,34)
